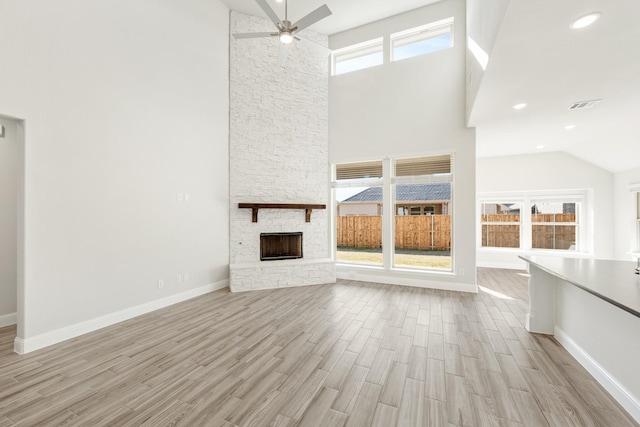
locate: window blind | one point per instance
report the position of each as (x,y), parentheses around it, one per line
(431,165)
(359,170)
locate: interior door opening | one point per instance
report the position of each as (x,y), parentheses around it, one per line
(11,222)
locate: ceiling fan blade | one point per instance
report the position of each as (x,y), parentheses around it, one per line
(282,54)
(318,14)
(313,45)
(252,35)
(270,12)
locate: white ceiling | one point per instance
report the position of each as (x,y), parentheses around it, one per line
(536,59)
(347,14)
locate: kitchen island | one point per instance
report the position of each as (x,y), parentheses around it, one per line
(592,307)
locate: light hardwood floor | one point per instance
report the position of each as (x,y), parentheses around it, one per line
(354,354)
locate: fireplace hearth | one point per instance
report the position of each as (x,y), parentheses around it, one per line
(280,246)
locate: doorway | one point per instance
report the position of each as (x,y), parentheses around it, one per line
(11,220)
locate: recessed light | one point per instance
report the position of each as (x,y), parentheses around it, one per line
(585,21)
(519,106)
(539,147)
(569,127)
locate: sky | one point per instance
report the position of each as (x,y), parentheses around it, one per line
(345,193)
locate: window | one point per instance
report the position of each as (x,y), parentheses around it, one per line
(404,44)
(529,222)
(500,223)
(422,40)
(357,57)
(554,225)
(422,239)
(415,193)
(418,210)
(358,219)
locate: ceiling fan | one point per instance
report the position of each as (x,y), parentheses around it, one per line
(287,31)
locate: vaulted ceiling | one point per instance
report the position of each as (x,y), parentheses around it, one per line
(347,14)
(536,59)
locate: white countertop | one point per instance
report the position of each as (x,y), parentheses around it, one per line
(612,281)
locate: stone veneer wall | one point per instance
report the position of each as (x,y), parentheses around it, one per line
(278,154)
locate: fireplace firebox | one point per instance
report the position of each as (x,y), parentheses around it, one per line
(279,246)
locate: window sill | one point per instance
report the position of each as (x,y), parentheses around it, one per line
(403,277)
(422,271)
(402,270)
(360,266)
(546,252)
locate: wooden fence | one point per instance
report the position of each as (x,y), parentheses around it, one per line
(552,236)
(433,232)
(427,232)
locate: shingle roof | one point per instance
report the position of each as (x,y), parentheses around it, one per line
(407,193)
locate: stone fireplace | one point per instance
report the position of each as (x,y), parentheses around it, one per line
(278,149)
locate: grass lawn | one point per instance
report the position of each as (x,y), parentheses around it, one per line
(409,258)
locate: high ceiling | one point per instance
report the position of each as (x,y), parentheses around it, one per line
(539,60)
(347,14)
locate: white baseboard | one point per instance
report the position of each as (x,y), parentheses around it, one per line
(624,397)
(502,265)
(23,346)
(8,319)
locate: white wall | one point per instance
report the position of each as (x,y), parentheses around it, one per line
(411,107)
(9,169)
(484,19)
(624,214)
(126,105)
(549,172)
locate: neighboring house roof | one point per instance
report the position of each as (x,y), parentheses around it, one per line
(433,191)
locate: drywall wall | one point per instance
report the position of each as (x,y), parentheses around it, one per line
(484,19)
(624,214)
(411,107)
(548,172)
(127,111)
(9,169)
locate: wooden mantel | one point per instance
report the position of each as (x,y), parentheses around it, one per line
(255,207)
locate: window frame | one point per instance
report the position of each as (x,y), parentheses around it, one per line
(355,51)
(406,170)
(554,223)
(421,33)
(528,199)
(358,176)
(389,209)
(520,223)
